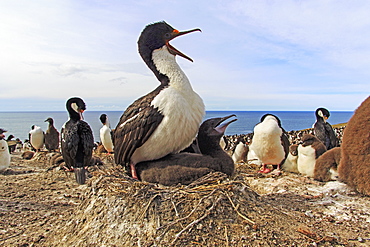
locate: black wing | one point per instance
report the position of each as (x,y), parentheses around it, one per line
(319,131)
(69,143)
(86,144)
(333,140)
(136,125)
(285,142)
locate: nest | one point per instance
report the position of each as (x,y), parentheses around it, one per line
(212,211)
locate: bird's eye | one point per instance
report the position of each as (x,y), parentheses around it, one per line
(167,35)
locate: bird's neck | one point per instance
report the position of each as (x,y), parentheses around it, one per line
(211,148)
(74,117)
(165,65)
(320,120)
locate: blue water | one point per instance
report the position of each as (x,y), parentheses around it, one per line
(19,123)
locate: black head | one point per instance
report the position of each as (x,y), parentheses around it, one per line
(103,118)
(308,139)
(156,35)
(50,120)
(322,113)
(271,115)
(293,149)
(75,107)
(10,137)
(211,131)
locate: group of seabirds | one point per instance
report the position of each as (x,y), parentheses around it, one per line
(160,137)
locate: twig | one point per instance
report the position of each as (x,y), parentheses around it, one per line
(189,226)
(236,210)
(174,206)
(147,206)
(17,234)
(227,239)
(192,211)
(308,234)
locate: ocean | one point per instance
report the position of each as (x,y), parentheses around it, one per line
(19,123)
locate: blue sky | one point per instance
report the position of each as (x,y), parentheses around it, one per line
(251,55)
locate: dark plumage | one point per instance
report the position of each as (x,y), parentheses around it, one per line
(165,120)
(323,130)
(11,143)
(354,167)
(77,140)
(184,167)
(326,167)
(51,136)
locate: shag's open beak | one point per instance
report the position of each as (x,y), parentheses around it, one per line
(221,127)
(175,33)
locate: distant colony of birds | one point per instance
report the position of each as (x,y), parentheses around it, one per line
(160,137)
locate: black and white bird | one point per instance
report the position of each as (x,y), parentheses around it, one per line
(51,136)
(36,137)
(323,130)
(167,119)
(77,140)
(106,134)
(186,167)
(270,143)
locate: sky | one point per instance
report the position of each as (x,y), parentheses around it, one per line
(251,55)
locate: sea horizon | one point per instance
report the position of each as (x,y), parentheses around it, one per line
(18,123)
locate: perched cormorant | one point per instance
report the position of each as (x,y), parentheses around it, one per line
(323,130)
(77,140)
(51,136)
(167,119)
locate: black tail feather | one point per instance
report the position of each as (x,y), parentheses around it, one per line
(80,173)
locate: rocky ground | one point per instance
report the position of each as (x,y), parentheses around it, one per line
(43,206)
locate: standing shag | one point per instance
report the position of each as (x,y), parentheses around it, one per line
(167,119)
(37,137)
(77,141)
(106,134)
(51,136)
(270,142)
(323,130)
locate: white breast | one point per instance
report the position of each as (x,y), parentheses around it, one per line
(182,108)
(290,164)
(106,138)
(266,142)
(37,137)
(240,152)
(306,160)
